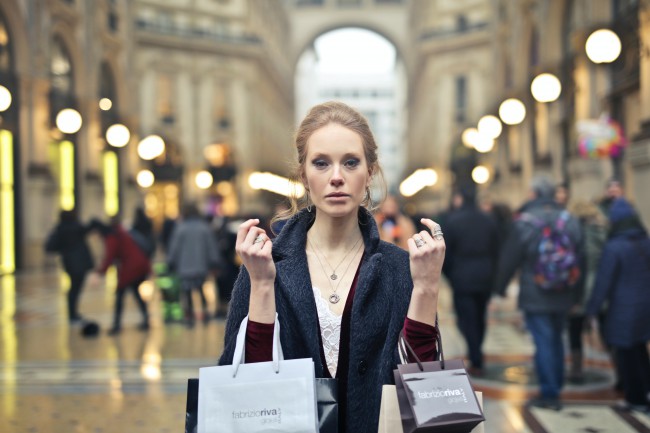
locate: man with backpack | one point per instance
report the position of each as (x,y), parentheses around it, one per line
(545,246)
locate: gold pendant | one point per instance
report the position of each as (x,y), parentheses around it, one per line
(334,298)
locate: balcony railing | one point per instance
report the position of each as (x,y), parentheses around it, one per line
(443,33)
(196,33)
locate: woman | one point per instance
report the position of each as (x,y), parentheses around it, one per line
(622,282)
(133,267)
(341,294)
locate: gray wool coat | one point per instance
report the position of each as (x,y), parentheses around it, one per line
(380,305)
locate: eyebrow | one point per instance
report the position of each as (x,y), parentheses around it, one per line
(346,155)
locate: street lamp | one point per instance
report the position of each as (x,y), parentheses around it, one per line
(118,135)
(145,178)
(105,104)
(546,88)
(483,144)
(603,46)
(151,147)
(203,179)
(512,111)
(469,137)
(5,98)
(68,121)
(480,174)
(490,126)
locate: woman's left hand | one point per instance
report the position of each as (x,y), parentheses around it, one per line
(427,253)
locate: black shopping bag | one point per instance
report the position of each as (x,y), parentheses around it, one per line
(435,396)
(326,394)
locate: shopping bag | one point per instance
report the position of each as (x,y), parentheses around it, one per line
(390,420)
(326,400)
(435,396)
(275,396)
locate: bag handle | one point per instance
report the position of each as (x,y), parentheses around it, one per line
(240,345)
(405,348)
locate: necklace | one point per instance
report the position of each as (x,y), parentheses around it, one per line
(334,298)
(333,275)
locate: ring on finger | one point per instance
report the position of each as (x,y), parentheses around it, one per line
(258,239)
(419,242)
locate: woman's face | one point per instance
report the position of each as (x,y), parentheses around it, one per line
(336,172)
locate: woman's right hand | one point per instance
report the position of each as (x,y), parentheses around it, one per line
(254,247)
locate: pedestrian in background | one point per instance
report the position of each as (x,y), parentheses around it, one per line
(545,310)
(394,227)
(133,267)
(594,233)
(226,237)
(192,255)
(622,282)
(142,232)
(68,238)
(470,265)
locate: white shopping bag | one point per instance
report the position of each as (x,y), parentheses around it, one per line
(264,397)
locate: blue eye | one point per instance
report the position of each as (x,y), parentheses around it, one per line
(319,163)
(352,163)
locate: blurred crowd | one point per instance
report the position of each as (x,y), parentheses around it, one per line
(583,269)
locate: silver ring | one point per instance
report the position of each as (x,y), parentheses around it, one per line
(437,236)
(419,242)
(258,240)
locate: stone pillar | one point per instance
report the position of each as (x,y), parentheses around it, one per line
(638,154)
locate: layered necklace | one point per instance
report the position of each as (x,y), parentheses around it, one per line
(334,298)
(333,275)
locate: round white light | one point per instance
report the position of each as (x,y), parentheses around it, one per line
(118,135)
(145,178)
(5,98)
(469,137)
(68,121)
(480,174)
(603,46)
(490,126)
(546,88)
(203,179)
(151,147)
(484,144)
(105,104)
(512,111)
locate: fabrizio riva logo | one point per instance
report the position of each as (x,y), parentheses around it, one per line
(264,416)
(453,395)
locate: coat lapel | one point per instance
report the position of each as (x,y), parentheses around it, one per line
(293,279)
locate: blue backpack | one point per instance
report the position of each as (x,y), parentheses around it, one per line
(556,266)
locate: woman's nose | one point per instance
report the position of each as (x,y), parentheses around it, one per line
(337,177)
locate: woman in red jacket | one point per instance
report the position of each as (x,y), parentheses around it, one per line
(133,267)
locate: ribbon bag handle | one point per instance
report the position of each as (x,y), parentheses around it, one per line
(405,348)
(240,345)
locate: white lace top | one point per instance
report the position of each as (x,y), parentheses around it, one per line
(330,330)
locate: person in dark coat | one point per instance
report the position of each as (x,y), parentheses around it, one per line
(472,240)
(623,282)
(68,238)
(341,295)
(228,270)
(142,232)
(545,311)
(133,267)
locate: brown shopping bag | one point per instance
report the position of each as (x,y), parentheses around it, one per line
(390,420)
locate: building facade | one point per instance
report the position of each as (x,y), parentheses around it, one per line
(213,78)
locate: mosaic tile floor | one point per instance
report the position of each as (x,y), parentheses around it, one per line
(56,381)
